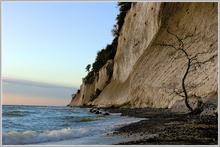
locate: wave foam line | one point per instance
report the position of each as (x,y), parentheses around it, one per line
(31,137)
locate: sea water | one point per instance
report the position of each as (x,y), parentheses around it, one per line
(51,125)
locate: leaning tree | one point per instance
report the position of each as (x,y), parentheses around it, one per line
(192,65)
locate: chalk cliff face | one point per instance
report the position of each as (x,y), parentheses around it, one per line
(93,85)
(147,69)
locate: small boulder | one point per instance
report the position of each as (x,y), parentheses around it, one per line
(97,112)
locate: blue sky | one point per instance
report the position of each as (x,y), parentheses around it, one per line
(53,42)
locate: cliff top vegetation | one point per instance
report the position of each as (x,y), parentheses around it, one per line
(109,51)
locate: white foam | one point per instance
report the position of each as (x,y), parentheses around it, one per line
(77,134)
(115,114)
(31,137)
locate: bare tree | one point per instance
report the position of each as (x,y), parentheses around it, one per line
(192,65)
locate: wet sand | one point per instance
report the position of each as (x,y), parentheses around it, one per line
(164,127)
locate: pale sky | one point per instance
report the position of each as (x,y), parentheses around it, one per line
(53,42)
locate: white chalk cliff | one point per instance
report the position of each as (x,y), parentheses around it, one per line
(145,72)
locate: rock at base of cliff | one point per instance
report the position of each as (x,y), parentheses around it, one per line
(99,111)
(209,106)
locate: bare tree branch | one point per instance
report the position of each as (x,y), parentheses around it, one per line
(192,64)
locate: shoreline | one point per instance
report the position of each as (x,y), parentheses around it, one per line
(164,127)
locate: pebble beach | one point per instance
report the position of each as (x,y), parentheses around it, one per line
(163,127)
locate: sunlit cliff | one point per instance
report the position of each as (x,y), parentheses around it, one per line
(147,70)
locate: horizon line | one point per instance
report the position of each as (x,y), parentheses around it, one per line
(35,83)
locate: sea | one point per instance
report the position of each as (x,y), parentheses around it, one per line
(59,125)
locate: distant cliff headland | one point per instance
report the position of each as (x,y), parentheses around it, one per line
(162,54)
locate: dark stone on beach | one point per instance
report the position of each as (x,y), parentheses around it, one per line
(91,110)
(154,139)
(94,111)
(172,128)
(97,112)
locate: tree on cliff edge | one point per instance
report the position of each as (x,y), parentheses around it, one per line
(123,9)
(192,65)
(88,67)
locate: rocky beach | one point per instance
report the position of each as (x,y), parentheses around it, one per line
(163,67)
(164,127)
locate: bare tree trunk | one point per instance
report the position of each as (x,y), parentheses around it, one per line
(192,62)
(181,48)
(183,83)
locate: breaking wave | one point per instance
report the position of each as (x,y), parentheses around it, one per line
(31,137)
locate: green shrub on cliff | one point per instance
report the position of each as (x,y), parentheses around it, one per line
(109,51)
(123,9)
(88,67)
(103,56)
